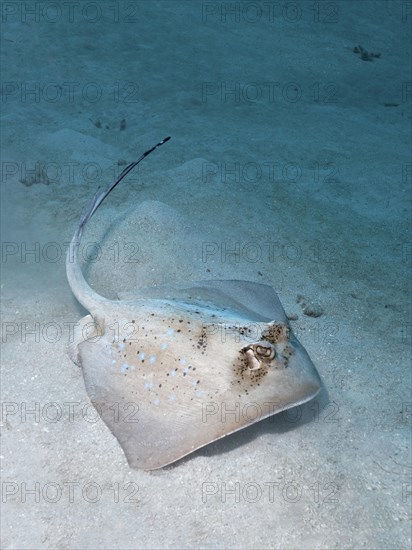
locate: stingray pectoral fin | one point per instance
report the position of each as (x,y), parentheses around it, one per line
(83,330)
(256,301)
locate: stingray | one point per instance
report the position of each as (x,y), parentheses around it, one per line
(172,368)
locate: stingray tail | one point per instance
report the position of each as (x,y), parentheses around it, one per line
(80,288)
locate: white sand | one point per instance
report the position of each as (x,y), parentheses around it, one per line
(340,476)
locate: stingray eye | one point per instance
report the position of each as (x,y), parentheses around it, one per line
(259,354)
(265,350)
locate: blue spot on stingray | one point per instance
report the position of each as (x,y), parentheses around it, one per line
(182,361)
(121,346)
(142,355)
(124,367)
(148,385)
(164,345)
(171,331)
(172,397)
(152,359)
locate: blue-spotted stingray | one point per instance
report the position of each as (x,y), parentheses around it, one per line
(172,368)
